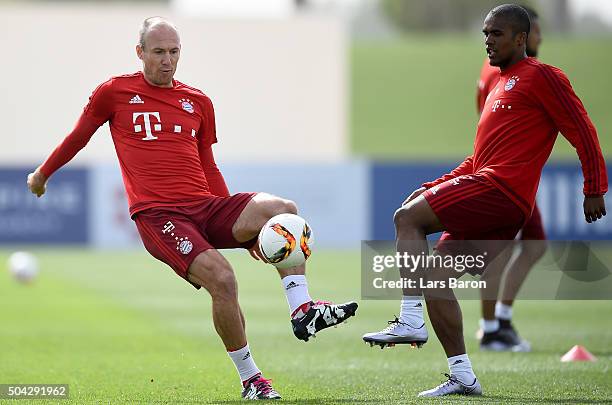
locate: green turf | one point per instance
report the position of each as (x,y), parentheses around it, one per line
(414,98)
(120,328)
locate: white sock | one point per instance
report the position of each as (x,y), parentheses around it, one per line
(461,368)
(488,326)
(296,290)
(411,311)
(503,311)
(243,360)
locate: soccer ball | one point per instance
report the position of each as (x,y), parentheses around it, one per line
(23,266)
(286,241)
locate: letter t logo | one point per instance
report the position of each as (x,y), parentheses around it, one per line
(147,124)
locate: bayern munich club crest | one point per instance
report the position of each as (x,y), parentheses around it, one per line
(184,245)
(187,105)
(511,83)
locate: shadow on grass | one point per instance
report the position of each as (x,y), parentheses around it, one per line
(447,400)
(311,401)
(522,400)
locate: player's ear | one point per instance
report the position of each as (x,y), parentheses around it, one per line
(521,38)
(139,51)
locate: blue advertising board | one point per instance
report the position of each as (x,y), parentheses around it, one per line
(333,197)
(61,216)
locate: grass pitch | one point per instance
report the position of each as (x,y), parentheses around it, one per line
(415,97)
(120,328)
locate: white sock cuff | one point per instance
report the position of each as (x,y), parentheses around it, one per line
(245,365)
(296,291)
(503,311)
(461,367)
(411,310)
(489,326)
(298,279)
(463,358)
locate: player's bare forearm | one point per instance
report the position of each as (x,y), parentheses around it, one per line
(594,208)
(37,182)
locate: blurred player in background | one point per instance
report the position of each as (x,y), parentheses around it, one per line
(490,196)
(163,131)
(496,330)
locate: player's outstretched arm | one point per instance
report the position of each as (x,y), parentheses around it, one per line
(594,208)
(37,183)
(96,113)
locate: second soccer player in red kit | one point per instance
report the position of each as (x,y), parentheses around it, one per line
(163,131)
(496,331)
(491,194)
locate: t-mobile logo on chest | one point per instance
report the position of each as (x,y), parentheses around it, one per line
(498,104)
(152,123)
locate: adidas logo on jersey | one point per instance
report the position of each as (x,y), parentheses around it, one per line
(136,100)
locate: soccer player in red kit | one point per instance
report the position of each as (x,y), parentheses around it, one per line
(489,196)
(496,330)
(163,131)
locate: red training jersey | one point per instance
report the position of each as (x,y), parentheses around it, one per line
(518,127)
(489,76)
(162,136)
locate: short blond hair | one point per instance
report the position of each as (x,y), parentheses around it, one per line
(148,24)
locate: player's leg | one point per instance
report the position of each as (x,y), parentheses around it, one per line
(489,333)
(307,316)
(531,248)
(461,205)
(255,214)
(494,334)
(484,221)
(412,224)
(530,252)
(447,321)
(213,272)
(173,238)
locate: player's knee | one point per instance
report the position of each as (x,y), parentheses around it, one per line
(224,286)
(404,218)
(533,250)
(216,275)
(282,206)
(291,207)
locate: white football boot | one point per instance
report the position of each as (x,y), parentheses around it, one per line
(453,386)
(398,333)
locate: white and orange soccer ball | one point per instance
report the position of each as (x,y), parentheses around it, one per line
(286,241)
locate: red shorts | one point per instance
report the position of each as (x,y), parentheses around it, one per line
(533,229)
(471,209)
(176,235)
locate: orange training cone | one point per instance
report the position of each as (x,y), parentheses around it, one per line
(578,353)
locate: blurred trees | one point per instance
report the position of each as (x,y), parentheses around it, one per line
(438,15)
